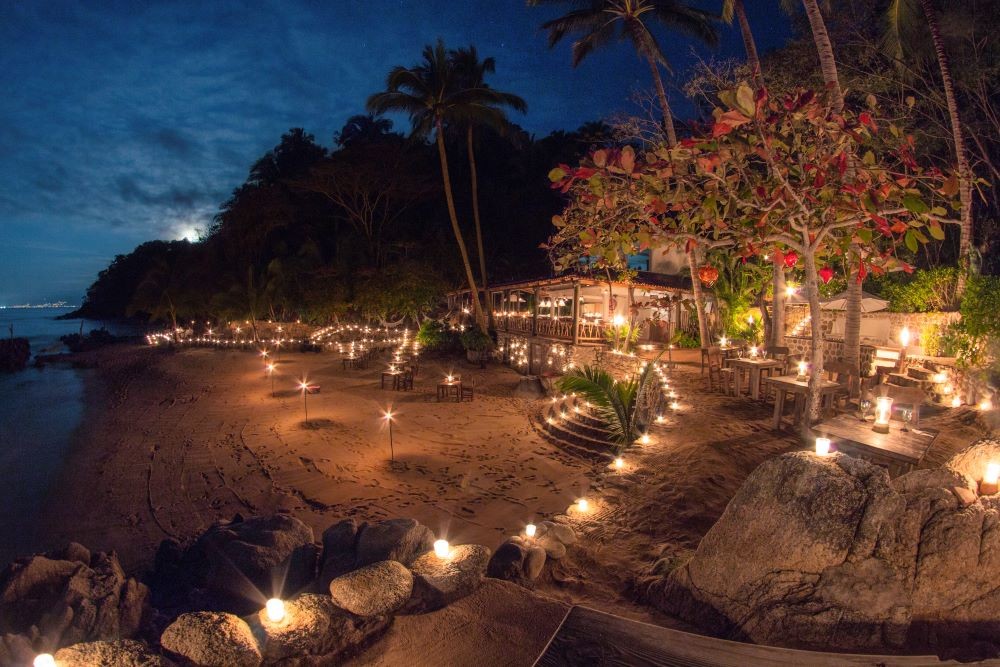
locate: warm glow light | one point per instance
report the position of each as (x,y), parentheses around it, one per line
(582,504)
(750,320)
(883,411)
(660,419)
(940,378)
(387,415)
(904,336)
(986,404)
(822,446)
(753,350)
(803,367)
(644,439)
(619,463)
(442,549)
(44,660)
(956,402)
(723,341)
(789,292)
(992,474)
(530,529)
(675,406)
(275,610)
(618,320)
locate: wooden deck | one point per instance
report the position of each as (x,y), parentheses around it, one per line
(590,637)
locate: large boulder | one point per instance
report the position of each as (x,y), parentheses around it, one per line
(516,560)
(373,590)
(68,597)
(274,554)
(313,631)
(400,540)
(825,552)
(440,581)
(212,639)
(340,546)
(119,653)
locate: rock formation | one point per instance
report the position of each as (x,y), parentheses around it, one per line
(828,553)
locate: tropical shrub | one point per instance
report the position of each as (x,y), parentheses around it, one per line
(922,291)
(685,340)
(435,336)
(616,402)
(475,340)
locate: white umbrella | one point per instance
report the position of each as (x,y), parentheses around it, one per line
(869,303)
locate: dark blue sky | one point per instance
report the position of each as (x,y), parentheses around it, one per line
(124,122)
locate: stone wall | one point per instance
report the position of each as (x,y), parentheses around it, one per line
(881,328)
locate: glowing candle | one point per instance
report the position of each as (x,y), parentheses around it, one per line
(904,336)
(803,367)
(675,406)
(442,549)
(660,419)
(582,505)
(723,341)
(956,402)
(530,530)
(985,404)
(619,463)
(989,484)
(275,610)
(883,411)
(44,660)
(789,292)
(822,446)
(644,439)
(753,351)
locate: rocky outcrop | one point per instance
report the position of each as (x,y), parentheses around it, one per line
(67,597)
(14,354)
(440,581)
(827,553)
(212,639)
(262,553)
(350,544)
(520,559)
(315,631)
(120,653)
(373,590)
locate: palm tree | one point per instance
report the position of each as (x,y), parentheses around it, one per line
(616,402)
(735,8)
(903,27)
(471,74)
(600,21)
(430,94)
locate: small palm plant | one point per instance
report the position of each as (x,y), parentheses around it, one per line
(616,402)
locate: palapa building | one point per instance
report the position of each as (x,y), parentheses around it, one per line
(546,324)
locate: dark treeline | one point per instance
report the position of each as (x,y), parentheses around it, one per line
(358,230)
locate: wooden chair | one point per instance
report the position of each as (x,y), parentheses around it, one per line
(405,380)
(778,352)
(704,359)
(847,376)
(718,374)
(911,397)
(468,391)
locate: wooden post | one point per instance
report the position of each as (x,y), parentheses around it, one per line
(576,313)
(534,312)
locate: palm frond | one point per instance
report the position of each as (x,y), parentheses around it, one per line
(904,23)
(580,20)
(689,20)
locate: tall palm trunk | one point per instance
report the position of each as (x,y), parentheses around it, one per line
(748,43)
(661,93)
(961,156)
(446,176)
(827,63)
(475,216)
(699,297)
(828,67)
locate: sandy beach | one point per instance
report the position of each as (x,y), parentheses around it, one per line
(171,442)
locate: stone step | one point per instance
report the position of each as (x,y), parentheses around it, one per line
(557,430)
(920,373)
(901,380)
(570,423)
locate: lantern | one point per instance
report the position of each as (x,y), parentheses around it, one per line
(708,274)
(990,478)
(883,411)
(826,274)
(822,446)
(442,549)
(791,259)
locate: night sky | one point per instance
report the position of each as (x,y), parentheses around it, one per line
(133,121)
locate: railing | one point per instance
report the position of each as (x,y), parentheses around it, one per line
(561,328)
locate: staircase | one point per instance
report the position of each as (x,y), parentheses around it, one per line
(568,423)
(933,378)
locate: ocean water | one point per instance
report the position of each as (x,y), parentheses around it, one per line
(39,411)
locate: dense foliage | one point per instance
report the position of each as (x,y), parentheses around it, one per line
(359,230)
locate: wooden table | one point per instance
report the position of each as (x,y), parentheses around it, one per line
(395,375)
(446,389)
(353,362)
(792,385)
(897,450)
(753,366)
